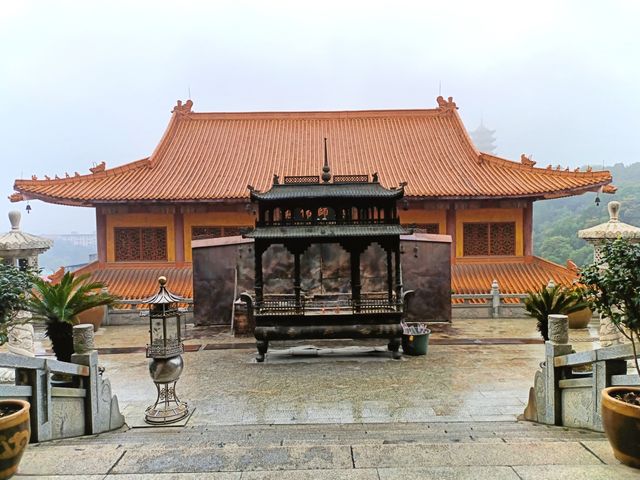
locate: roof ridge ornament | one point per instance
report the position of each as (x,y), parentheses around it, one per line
(446,105)
(182,109)
(526,160)
(326,170)
(98,168)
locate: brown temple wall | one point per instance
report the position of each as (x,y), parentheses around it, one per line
(324,268)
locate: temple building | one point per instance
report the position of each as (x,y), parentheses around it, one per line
(194,185)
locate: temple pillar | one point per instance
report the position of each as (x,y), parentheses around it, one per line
(258,249)
(398,273)
(356,286)
(178,228)
(101,235)
(527,224)
(296,278)
(451,230)
(389,275)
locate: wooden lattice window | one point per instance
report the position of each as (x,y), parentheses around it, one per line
(205,232)
(198,232)
(140,243)
(489,238)
(424,227)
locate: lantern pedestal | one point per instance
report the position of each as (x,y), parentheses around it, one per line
(168,407)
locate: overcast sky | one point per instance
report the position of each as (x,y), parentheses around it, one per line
(81,83)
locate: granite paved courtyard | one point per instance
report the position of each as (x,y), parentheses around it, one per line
(337,410)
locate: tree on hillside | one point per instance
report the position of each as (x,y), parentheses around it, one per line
(556,222)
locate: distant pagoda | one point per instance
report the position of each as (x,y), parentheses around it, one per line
(484,139)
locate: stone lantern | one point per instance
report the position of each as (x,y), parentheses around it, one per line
(598,236)
(19,248)
(165,350)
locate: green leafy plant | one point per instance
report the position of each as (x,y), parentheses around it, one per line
(59,303)
(14,287)
(613,287)
(553,300)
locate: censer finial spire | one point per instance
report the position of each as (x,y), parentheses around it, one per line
(326,171)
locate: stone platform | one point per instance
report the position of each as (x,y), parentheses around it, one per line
(337,413)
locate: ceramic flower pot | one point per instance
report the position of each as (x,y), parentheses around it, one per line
(621,422)
(15,430)
(94,316)
(580,319)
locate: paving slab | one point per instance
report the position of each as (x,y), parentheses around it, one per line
(58,477)
(138,476)
(602,449)
(573,472)
(478,454)
(178,476)
(234,459)
(44,459)
(448,473)
(344,474)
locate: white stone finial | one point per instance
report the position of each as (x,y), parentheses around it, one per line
(614,211)
(14,218)
(551,285)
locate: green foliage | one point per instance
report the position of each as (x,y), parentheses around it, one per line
(547,301)
(613,287)
(59,303)
(565,216)
(14,287)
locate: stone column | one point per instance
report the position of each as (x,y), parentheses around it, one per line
(389,276)
(83,338)
(296,278)
(558,329)
(355,278)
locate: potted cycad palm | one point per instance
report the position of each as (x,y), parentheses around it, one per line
(59,303)
(552,300)
(613,286)
(14,414)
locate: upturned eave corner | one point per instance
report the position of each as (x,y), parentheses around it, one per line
(16,197)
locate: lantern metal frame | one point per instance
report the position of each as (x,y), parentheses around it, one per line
(166,363)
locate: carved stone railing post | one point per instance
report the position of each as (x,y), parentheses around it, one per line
(83,338)
(552,412)
(556,345)
(558,329)
(495,299)
(101,407)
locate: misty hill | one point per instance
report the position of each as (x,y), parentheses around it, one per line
(65,252)
(556,222)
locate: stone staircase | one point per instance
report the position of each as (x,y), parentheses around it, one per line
(473,450)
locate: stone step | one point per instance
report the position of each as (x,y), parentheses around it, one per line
(105,459)
(310,435)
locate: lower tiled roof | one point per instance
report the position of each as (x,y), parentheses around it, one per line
(135,281)
(514,275)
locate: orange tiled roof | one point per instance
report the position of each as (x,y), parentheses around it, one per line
(514,275)
(209,156)
(134,281)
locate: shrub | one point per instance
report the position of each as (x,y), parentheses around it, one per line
(613,287)
(14,287)
(552,300)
